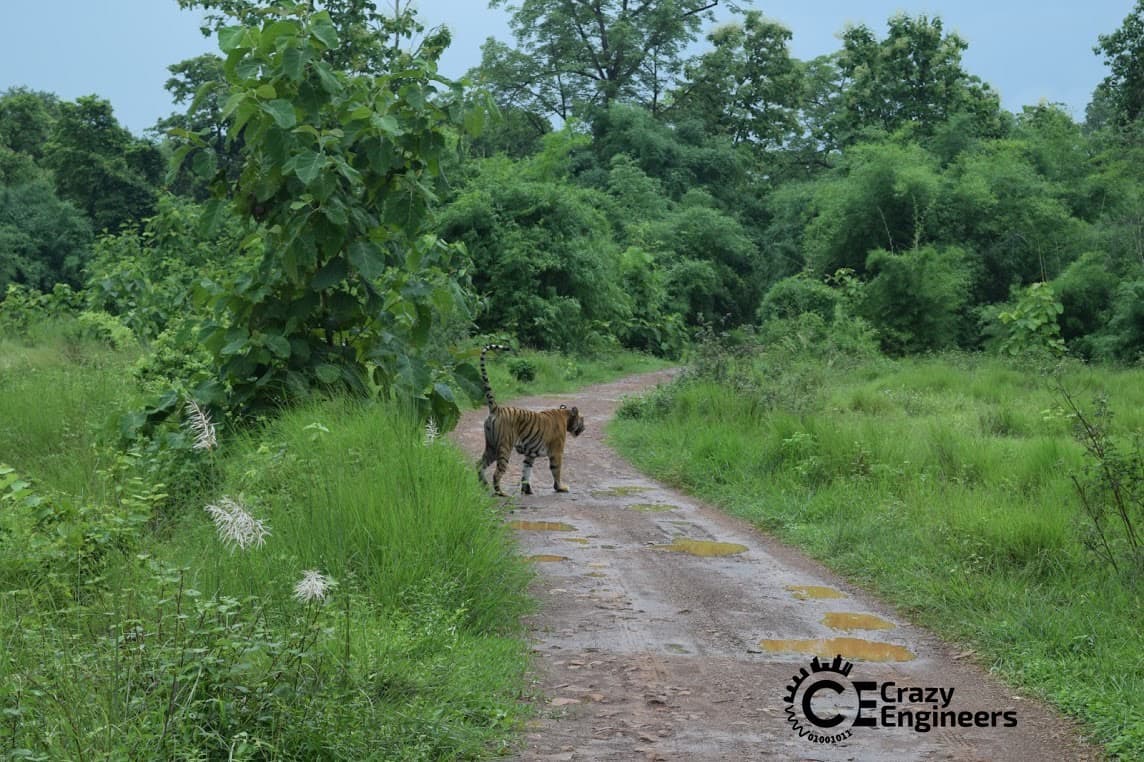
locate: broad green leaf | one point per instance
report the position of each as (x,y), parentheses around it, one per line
(230,38)
(308,166)
(323,28)
(279,345)
(331,274)
(327,373)
(283,113)
(367,259)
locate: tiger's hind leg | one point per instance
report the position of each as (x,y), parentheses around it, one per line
(486,461)
(526,475)
(502,467)
(555,460)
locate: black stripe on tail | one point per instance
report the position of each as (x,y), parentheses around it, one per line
(485,376)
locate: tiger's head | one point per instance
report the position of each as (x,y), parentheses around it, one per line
(575,420)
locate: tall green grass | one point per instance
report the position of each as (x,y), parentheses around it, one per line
(355,490)
(59,405)
(943,484)
(126,640)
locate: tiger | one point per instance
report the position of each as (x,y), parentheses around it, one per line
(532,433)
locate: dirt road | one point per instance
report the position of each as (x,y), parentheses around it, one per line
(668,631)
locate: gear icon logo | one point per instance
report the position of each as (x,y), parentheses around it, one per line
(821,700)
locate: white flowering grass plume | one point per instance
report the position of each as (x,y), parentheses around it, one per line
(314,586)
(431,431)
(200,423)
(235,526)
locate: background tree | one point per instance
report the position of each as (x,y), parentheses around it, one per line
(199,85)
(575,54)
(1123,51)
(912,77)
(43,240)
(747,87)
(100,167)
(27,120)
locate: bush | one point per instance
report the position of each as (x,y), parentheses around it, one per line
(917,300)
(522,369)
(796,295)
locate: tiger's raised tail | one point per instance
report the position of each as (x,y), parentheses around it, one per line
(485,376)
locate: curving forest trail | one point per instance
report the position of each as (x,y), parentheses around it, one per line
(669,631)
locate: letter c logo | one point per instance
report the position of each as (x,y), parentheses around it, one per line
(809,696)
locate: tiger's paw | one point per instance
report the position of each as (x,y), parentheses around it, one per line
(500,492)
(525,488)
(562,488)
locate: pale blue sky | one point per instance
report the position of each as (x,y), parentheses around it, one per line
(120,49)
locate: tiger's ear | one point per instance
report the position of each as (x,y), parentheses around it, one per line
(575,410)
(563,407)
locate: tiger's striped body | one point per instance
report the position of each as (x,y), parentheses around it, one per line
(532,433)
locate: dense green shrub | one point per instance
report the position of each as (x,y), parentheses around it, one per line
(917,299)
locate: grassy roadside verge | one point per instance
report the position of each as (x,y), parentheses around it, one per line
(942,484)
(378,616)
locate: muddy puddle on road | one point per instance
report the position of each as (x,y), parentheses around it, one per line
(845,620)
(849,648)
(547,558)
(542,526)
(815,592)
(703,548)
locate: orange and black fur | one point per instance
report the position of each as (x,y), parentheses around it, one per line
(533,433)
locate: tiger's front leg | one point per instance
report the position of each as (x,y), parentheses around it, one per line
(526,476)
(555,460)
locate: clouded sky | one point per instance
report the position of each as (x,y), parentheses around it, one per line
(120,49)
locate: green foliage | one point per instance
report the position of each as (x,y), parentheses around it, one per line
(100,167)
(1123,52)
(1110,488)
(747,87)
(541,256)
(797,295)
(571,56)
(148,277)
(1000,206)
(1034,323)
(337,177)
(43,240)
(913,77)
(25,312)
(917,299)
(522,369)
(711,272)
(1085,290)
(881,199)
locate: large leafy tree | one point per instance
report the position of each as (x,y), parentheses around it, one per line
(747,86)
(43,240)
(26,120)
(100,167)
(1122,90)
(198,84)
(576,54)
(371,40)
(338,172)
(912,77)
